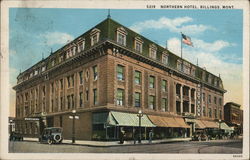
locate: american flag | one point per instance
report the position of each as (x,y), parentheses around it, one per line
(186,40)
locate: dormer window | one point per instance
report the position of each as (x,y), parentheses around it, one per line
(81,46)
(152,51)
(121,36)
(94,36)
(186,67)
(209,79)
(138,44)
(53,62)
(43,68)
(164,58)
(193,69)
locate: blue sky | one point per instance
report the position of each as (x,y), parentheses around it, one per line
(216,34)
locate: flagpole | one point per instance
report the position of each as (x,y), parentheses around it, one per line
(181,45)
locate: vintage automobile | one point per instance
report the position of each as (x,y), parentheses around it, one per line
(199,135)
(51,135)
(14,136)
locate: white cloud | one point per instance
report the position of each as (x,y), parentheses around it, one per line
(52,38)
(211,47)
(173,25)
(208,57)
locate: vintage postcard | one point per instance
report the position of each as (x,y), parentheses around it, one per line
(124,79)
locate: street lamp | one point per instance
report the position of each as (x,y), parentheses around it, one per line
(139,115)
(73,126)
(219,128)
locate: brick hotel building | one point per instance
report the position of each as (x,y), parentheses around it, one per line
(107,75)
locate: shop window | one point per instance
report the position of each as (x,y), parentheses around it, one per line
(120,97)
(120,72)
(151,102)
(151,82)
(137,99)
(137,77)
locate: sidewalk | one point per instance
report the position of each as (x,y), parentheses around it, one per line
(115,143)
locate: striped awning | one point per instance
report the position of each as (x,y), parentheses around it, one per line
(129,119)
(174,122)
(199,124)
(210,124)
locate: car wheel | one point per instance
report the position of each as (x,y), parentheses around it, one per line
(50,141)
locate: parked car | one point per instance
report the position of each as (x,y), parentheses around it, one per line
(199,135)
(14,136)
(51,135)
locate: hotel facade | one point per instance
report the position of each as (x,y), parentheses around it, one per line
(107,75)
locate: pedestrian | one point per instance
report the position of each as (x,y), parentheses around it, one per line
(122,133)
(150,136)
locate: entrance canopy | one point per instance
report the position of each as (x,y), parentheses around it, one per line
(128,119)
(161,121)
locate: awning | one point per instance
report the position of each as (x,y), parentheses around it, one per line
(210,124)
(224,126)
(199,124)
(129,119)
(161,121)
(181,122)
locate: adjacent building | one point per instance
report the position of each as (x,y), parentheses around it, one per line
(107,75)
(233,115)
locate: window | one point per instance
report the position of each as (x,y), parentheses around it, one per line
(43,68)
(209,99)
(137,77)
(121,36)
(94,36)
(193,69)
(52,105)
(179,65)
(72,101)
(120,72)
(215,100)
(44,90)
(95,73)
(120,97)
(121,39)
(61,83)
(151,102)
(151,82)
(87,95)
(72,79)
(203,97)
(152,52)
(164,85)
(81,46)
(138,44)
(215,113)
(204,111)
(137,99)
(68,80)
(52,87)
(81,99)
(138,47)
(210,112)
(95,96)
(68,100)
(61,103)
(80,77)
(220,114)
(53,63)
(164,104)
(220,101)
(164,58)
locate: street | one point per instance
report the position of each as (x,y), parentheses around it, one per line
(214,146)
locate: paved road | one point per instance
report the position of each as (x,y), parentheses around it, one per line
(219,146)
